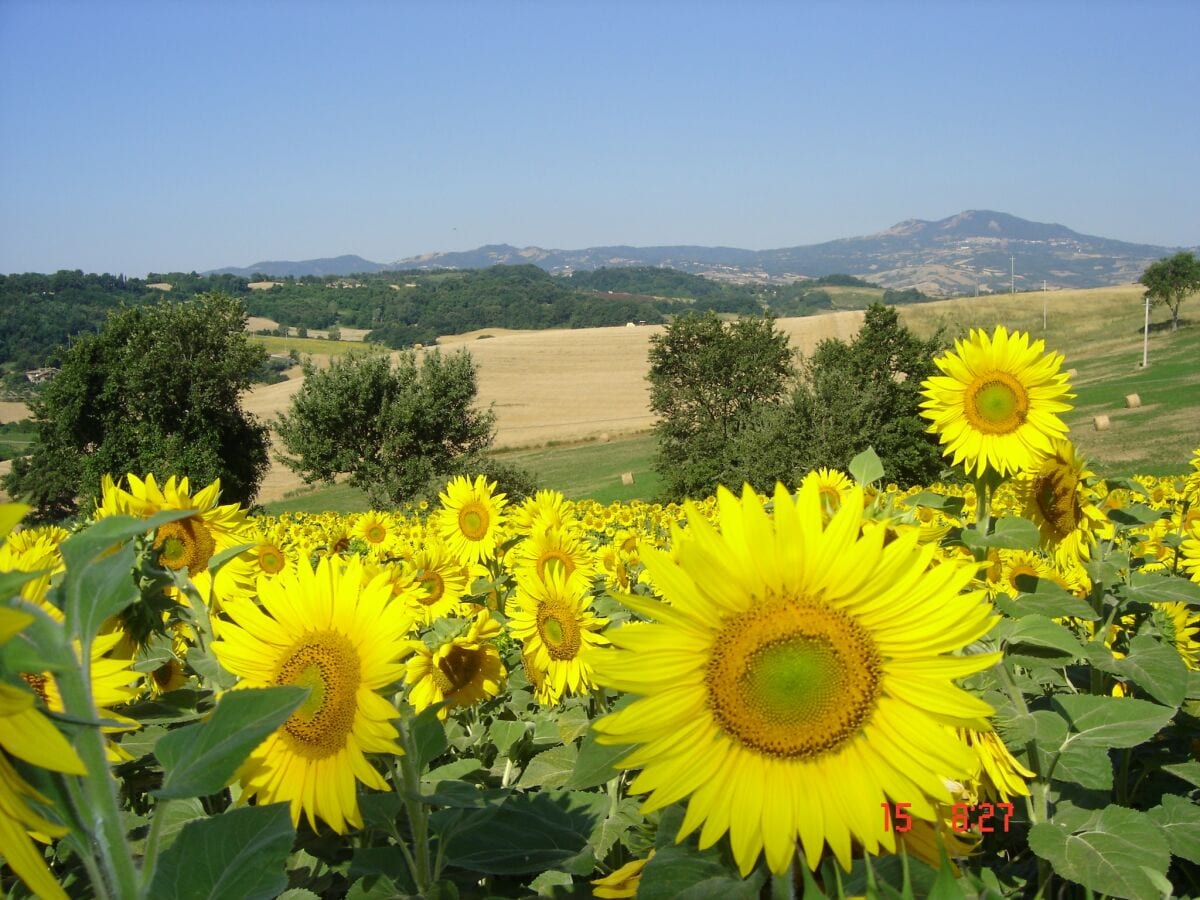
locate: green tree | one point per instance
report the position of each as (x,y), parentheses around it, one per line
(851,396)
(708,381)
(395,429)
(1170,280)
(156,390)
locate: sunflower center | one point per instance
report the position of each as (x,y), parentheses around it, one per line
(457,668)
(435,587)
(793,679)
(37,683)
(473,520)
(327,664)
(996,403)
(552,559)
(185,544)
(376,533)
(559,631)
(270,559)
(1057,500)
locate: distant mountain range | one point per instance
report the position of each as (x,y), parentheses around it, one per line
(974,250)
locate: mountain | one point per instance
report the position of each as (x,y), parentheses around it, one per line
(331,265)
(976,250)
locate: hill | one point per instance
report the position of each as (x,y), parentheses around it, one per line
(975,250)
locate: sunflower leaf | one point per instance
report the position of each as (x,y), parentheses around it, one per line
(1151,587)
(683,871)
(1179,820)
(1112,722)
(427,736)
(550,768)
(201,759)
(867,467)
(1157,668)
(240,853)
(1108,856)
(595,763)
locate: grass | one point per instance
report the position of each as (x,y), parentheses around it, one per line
(848,297)
(313,346)
(581,470)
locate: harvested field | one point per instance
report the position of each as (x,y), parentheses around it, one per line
(11,411)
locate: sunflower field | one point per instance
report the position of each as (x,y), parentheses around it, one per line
(987,688)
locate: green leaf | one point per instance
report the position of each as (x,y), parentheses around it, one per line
(220,559)
(1045,598)
(951,505)
(596,763)
(572,723)
(527,833)
(866,468)
(1188,771)
(1109,855)
(544,885)
(1135,514)
(94,592)
(505,733)
(428,736)
(175,814)
(240,853)
(12,582)
(681,872)
(141,742)
(1112,721)
(1152,587)
(1036,635)
(614,826)
(1157,668)
(452,771)
(550,768)
(1090,767)
(1179,820)
(201,759)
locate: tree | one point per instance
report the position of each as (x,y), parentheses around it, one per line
(156,390)
(865,393)
(395,429)
(1170,280)
(708,381)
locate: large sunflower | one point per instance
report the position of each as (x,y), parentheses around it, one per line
(1055,496)
(329,631)
(996,405)
(27,734)
(798,676)
(470,518)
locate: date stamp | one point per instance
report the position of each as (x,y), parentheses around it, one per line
(982,818)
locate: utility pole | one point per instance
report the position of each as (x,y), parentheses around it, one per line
(1146,336)
(1013,283)
(1043,304)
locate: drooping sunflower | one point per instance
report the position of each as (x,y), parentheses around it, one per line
(329,631)
(553,619)
(797,676)
(996,405)
(1181,625)
(1056,497)
(27,734)
(471,518)
(461,672)
(1189,552)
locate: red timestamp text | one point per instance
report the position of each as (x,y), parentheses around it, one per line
(983,818)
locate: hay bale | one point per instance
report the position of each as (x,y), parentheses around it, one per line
(1101,423)
(626,478)
(1132,401)
(1072,373)
(605,438)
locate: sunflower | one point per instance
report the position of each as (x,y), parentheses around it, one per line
(1055,496)
(554,621)
(27,734)
(833,485)
(461,672)
(438,584)
(998,774)
(797,676)
(329,631)
(996,405)
(374,528)
(471,517)
(545,509)
(1181,626)
(548,547)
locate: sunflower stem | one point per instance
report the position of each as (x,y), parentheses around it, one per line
(94,795)
(418,812)
(783,885)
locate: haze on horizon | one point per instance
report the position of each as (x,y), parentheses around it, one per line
(141,136)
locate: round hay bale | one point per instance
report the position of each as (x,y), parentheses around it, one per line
(1072,373)
(1101,423)
(605,438)
(627,478)
(1132,401)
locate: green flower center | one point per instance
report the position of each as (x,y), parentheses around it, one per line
(996,403)
(559,631)
(473,521)
(793,679)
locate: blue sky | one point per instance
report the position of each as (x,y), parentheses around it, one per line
(163,136)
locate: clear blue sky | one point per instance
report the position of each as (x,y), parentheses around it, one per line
(159,136)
